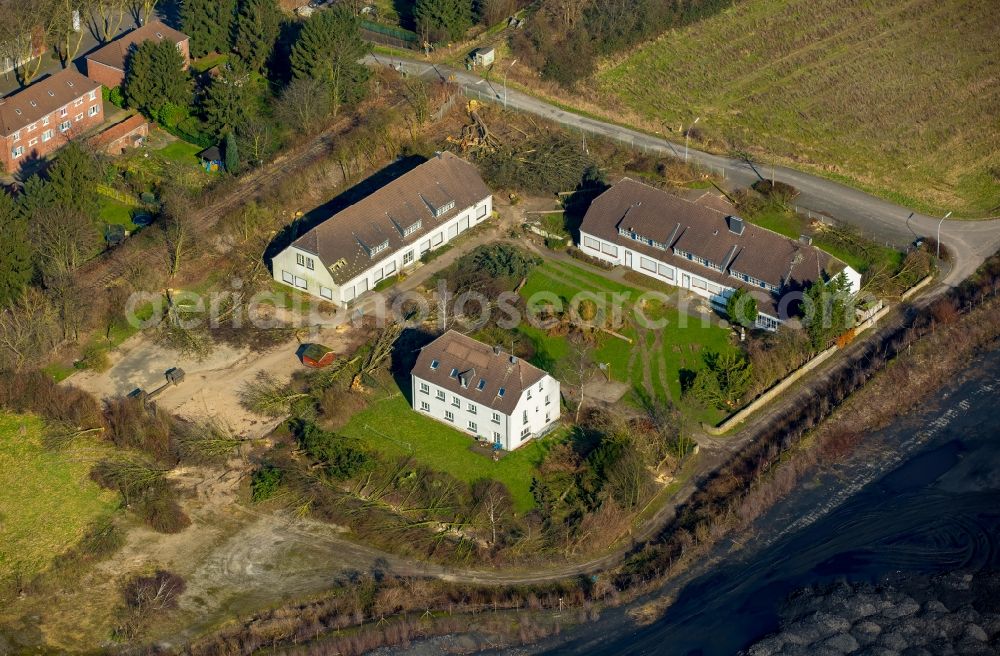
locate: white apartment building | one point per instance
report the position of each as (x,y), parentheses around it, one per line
(702,249)
(351,252)
(484,391)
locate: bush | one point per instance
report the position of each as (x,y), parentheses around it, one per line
(158,507)
(94,357)
(264,483)
(341,457)
(171,115)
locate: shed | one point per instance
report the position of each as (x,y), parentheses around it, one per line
(317,355)
(484,56)
(211,159)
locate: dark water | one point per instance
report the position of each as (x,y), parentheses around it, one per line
(920,497)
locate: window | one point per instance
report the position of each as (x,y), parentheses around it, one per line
(407,257)
(481,385)
(46,135)
(64,126)
(434,364)
(31,128)
(17,136)
(548,401)
(438,238)
(441,211)
(472,426)
(301,283)
(287,277)
(548,418)
(92,111)
(62,112)
(525,431)
(377,275)
(92,95)
(449,415)
(454,372)
(496,417)
(481,212)
(496,436)
(463,224)
(524,419)
(472,408)
(501,392)
(45,120)
(17,152)
(32,142)
(440,395)
(647,264)
(425,406)
(425,388)
(78,117)
(375,250)
(455,401)
(326,292)
(78,102)
(609,249)
(307,262)
(529,395)
(390,268)
(413,228)
(591,243)
(666,272)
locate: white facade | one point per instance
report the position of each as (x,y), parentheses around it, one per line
(536,411)
(305,271)
(672,275)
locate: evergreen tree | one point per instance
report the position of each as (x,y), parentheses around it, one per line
(443,19)
(15,265)
(155,77)
(742,308)
(829,310)
(209,24)
(328,50)
(36,197)
(73,180)
(232,154)
(230,99)
(258,23)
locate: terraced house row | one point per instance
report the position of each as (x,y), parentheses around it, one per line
(703,249)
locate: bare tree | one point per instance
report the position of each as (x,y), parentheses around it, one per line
(67,30)
(267,396)
(177,210)
(304,105)
(381,348)
(141,10)
(256,140)
(64,239)
(24,34)
(27,328)
(493,504)
(107,17)
(577,368)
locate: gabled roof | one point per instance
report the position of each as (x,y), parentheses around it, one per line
(475,362)
(42,98)
(696,228)
(443,185)
(114,53)
(119,130)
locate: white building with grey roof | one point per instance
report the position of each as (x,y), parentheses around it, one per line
(387,232)
(484,391)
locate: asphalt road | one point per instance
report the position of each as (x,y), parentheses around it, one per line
(970,241)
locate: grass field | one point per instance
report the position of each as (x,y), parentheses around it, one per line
(390,426)
(47,499)
(900,98)
(654,360)
(116,213)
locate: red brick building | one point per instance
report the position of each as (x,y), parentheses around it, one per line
(107,65)
(42,117)
(122,136)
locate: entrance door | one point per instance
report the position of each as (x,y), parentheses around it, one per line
(628,258)
(686,281)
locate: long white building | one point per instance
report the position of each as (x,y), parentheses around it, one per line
(704,250)
(484,391)
(387,232)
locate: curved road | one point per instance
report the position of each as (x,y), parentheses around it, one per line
(970,241)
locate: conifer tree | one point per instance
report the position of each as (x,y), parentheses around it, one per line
(209,24)
(328,50)
(15,265)
(155,77)
(258,23)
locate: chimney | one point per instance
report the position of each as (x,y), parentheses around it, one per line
(806,239)
(513,359)
(496,349)
(463,380)
(735,225)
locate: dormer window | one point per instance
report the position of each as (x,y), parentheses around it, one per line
(375,250)
(439,210)
(435,364)
(413,228)
(481,385)
(501,392)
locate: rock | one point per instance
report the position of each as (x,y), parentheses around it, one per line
(866,631)
(903,608)
(767,647)
(801,633)
(976,632)
(855,609)
(842,643)
(916,651)
(935,606)
(968,615)
(893,640)
(829,624)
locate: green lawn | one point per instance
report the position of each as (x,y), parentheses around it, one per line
(47,499)
(390,426)
(208,62)
(116,213)
(647,364)
(180,151)
(895,97)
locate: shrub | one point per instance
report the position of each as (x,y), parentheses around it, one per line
(264,483)
(94,357)
(158,507)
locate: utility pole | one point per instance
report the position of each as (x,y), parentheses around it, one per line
(939,234)
(687,134)
(505,83)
